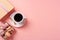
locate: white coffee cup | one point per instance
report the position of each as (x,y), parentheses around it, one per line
(17,19)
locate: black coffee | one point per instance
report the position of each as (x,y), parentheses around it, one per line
(18,17)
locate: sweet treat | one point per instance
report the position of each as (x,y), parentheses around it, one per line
(6,31)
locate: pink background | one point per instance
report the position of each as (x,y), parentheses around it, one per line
(43,19)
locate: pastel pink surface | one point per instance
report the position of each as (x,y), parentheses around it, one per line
(43,19)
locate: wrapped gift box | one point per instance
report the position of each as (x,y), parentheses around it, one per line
(5,7)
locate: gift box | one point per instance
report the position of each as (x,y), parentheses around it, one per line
(5,8)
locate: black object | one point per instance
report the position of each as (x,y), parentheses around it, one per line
(18,17)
